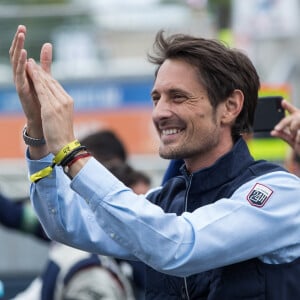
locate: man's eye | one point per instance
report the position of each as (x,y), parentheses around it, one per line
(179,97)
(155,100)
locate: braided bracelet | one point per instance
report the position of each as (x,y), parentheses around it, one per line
(75,159)
(69,157)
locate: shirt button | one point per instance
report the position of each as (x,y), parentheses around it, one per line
(112,235)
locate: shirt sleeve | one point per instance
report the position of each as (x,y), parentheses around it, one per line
(253,223)
(65,216)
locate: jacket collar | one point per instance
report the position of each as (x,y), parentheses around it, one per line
(226,168)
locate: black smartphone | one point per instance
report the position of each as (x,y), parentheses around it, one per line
(267,114)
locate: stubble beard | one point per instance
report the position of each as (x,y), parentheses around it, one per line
(171,153)
(186,151)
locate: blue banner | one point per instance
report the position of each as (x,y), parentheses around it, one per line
(93,94)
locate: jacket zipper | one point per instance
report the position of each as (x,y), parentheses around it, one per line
(185,209)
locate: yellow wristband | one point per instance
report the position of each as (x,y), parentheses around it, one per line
(65,151)
(42,173)
(56,161)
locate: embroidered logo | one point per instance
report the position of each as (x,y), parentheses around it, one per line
(259,195)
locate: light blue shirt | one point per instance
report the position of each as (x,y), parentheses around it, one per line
(97,213)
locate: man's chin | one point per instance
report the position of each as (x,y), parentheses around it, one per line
(169,155)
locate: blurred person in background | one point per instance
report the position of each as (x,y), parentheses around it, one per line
(18,214)
(218,231)
(106,147)
(71,273)
(138,181)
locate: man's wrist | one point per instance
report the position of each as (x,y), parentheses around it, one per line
(31,141)
(77,166)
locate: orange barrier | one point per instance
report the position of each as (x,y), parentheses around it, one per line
(133,126)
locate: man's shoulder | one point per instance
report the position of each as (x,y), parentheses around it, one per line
(260,167)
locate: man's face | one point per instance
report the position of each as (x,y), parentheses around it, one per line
(187,124)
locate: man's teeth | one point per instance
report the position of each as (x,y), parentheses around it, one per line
(170,131)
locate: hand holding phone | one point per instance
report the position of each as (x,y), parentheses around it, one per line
(289,128)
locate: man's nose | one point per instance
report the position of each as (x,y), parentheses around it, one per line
(162,109)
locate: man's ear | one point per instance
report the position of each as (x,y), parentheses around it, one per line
(232,107)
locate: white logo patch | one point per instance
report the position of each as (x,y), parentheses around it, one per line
(259,195)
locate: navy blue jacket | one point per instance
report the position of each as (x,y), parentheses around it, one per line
(248,280)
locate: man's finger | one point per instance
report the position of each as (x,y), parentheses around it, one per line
(21,29)
(20,72)
(33,74)
(282,135)
(19,46)
(285,122)
(46,57)
(289,107)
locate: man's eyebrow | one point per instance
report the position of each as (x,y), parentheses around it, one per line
(171,91)
(177,90)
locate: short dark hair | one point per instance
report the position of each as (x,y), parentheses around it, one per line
(129,176)
(221,70)
(106,147)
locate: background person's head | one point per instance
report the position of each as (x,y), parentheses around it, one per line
(109,150)
(138,181)
(106,147)
(220,70)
